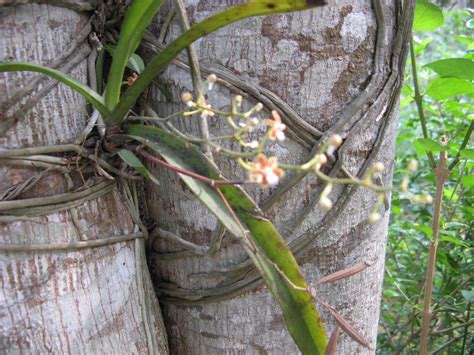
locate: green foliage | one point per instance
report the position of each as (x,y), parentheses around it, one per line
(137,19)
(447,103)
(427,16)
(90,95)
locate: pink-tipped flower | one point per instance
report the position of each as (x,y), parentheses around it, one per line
(265,171)
(276,127)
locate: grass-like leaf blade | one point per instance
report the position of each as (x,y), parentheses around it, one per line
(239,12)
(138,17)
(132,160)
(90,95)
(301,317)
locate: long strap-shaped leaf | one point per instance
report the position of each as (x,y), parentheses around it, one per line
(138,17)
(301,317)
(254,8)
(90,95)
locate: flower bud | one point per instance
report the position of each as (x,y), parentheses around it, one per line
(321,159)
(211,79)
(258,107)
(374,217)
(187,98)
(378,167)
(413,165)
(238,100)
(325,204)
(335,140)
(253,144)
(253,122)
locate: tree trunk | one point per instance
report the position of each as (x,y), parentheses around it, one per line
(337,69)
(72,272)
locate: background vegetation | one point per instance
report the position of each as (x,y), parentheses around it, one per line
(449,112)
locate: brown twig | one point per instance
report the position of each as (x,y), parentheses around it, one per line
(442,174)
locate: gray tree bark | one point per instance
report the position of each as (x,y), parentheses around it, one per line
(339,68)
(55,300)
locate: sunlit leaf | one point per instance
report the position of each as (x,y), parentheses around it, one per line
(428,16)
(467,154)
(90,95)
(442,88)
(464,39)
(300,315)
(468,181)
(460,68)
(421,47)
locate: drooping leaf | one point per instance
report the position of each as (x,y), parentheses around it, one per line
(442,88)
(460,68)
(138,17)
(132,160)
(89,94)
(301,317)
(239,12)
(428,16)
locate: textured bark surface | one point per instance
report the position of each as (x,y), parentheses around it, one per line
(339,67)
(93,300)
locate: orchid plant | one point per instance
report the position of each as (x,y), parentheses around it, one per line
(179,153)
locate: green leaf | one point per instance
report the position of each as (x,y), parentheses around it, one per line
(132,160)
(464,39)
(422,46)
(450,194)
(301,317)
(468,181)
(90,95)
(467,154)
(239,12)
(135,62)
(442,88)
(390,293)
(428,145)
(138,17)
(427,16)
(454,240)
(460,68)
(426,230)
